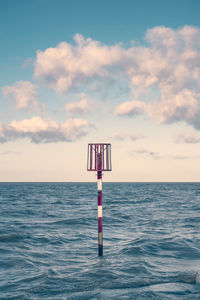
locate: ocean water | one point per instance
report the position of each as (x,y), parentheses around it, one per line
(48,241)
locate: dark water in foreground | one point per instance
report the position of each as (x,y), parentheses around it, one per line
(48,241)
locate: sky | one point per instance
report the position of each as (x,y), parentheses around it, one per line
(119,72)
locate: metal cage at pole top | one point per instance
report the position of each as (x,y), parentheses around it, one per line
(99,157)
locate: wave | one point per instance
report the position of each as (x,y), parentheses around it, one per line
(49,241)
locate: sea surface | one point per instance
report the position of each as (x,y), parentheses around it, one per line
(48,241)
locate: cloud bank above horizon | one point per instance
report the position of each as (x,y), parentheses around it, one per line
(38,130)
(168,63)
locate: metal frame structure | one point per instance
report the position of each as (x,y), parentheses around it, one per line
(95,151)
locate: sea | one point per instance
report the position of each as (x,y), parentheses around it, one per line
(49,247)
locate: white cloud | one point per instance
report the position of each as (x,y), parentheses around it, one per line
(74,128)
(136,137)
(33,125)
(66,65)
(171,63)
(131,108)
(184,105)
(182,138)
(118,136)
(83,106)
(154,155)
(146,152)
(8,152)
(24,94)
(184,157)
(39,130)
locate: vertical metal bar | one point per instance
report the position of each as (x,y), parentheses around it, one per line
(101,153)
(91,157)
(97,149)
(95,156)
(103,158)
(107,159)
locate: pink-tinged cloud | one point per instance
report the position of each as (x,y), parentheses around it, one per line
(170,63)
(64,66)
(84,106)
(146,152)
(131,108)
(184,105)
(183,138)
(184,157)
(119,136)
(24,94)
(38,130)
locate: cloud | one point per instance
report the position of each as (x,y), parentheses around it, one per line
(169,63)
(122,136)
(64,66)
(24,93)
(39,130)
(172,65)
(117,136)
(10,152)
(83,106)
(157,156)
(75,128)
(183,106)
(131,108)
(146,152)
(136,137)
(184,157)
(182,138)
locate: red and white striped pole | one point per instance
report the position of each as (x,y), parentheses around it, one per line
(100,220)
(99,159)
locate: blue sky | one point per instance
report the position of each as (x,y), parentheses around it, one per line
(124,72)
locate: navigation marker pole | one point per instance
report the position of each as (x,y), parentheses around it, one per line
(100,223)
(99,159)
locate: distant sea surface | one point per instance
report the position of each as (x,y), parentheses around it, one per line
(48,241)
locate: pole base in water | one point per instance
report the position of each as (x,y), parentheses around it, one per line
(100,250)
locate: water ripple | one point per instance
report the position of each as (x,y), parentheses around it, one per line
(48,241)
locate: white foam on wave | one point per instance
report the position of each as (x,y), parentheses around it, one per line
(198,278)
